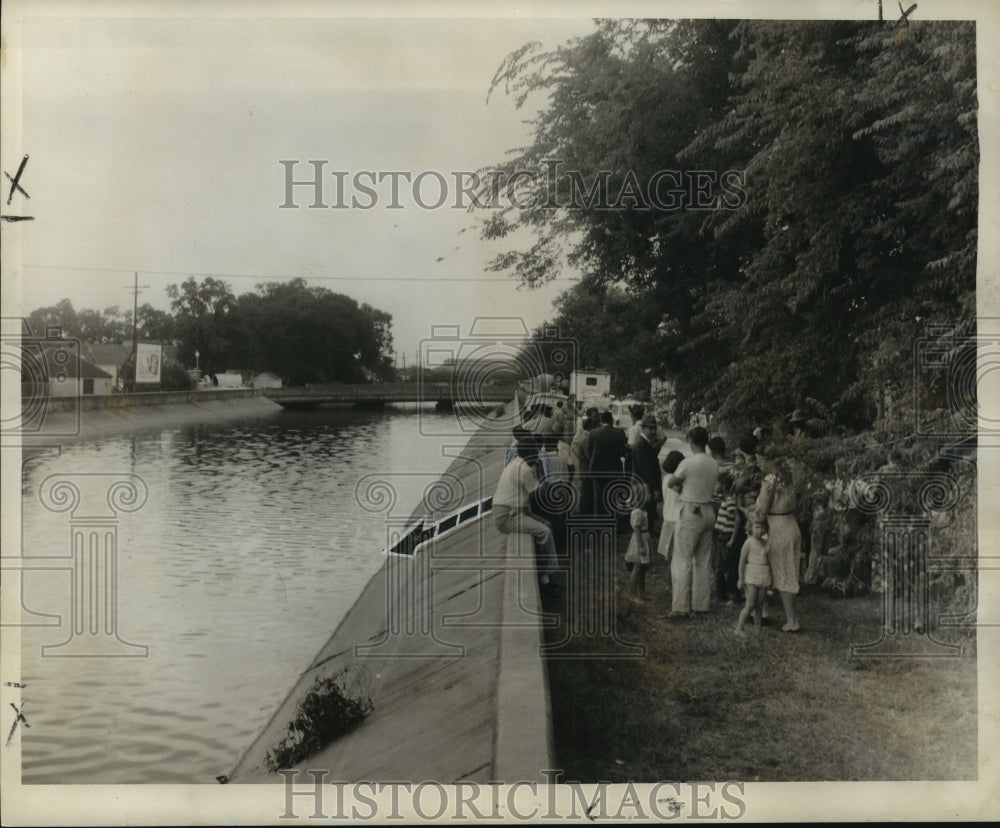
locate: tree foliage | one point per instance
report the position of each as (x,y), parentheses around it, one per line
(110,326)
(312,334)
(609,330)
(300,333)
(204,320)
(852,225)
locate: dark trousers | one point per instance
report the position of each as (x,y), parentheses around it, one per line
(727,565)
(556,520)
(586,494)
(731,566)
(651,515)
(599,505)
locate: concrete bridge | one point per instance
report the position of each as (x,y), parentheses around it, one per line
(444,394)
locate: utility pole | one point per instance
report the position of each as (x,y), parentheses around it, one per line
(135,317)
(135,327)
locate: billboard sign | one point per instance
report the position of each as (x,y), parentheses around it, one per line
(148,359)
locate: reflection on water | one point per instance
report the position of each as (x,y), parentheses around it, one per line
(250,549)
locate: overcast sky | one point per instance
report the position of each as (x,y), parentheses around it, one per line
(155,147)
(155,141)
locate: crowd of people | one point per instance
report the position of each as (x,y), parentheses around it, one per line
(724,523)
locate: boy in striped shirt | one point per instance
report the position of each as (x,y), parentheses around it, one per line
(726,558)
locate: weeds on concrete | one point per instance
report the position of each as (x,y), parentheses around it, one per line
(334,706)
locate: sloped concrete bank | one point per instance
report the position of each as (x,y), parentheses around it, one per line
(450,641)
(67,420)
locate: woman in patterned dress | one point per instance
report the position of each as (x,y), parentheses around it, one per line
(779,497)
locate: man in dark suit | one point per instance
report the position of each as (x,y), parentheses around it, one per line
(581,461)
(646,465)
(606,449)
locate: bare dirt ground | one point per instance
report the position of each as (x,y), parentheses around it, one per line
(705,704)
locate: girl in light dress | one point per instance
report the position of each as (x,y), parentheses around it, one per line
(754,571)
(640,547)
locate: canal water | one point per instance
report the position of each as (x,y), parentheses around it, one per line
(249,549)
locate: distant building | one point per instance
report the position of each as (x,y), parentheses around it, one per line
(108,357)
(230,379)
(266,379)
(81,378)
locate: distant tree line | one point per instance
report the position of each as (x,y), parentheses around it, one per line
(302,334)
(852,229)
(110,326)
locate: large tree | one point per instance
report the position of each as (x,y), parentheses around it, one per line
(852,225)
(306,334)
(204,322)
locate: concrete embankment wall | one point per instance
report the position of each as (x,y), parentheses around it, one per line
(68,419)
(450,641)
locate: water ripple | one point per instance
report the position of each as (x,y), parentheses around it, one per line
(245,557)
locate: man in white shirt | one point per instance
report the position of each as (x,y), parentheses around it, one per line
(510,508)
(635,430)
(691,567)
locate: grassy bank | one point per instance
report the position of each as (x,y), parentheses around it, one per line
(706,704)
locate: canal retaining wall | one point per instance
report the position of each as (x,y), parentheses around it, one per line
(447,644)
(63,420)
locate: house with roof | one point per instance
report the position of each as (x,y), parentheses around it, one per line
(108,357)
(54,367)
(79,378)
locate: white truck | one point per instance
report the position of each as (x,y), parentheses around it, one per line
(583,384)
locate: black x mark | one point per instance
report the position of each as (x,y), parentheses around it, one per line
(20,718)
(14,182)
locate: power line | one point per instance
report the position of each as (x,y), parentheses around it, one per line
(264,277)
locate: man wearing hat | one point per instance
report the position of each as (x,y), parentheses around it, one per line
(799,420)
(645,463)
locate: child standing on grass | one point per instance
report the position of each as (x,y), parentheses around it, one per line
(754,571)
(640,547)
(726,558)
